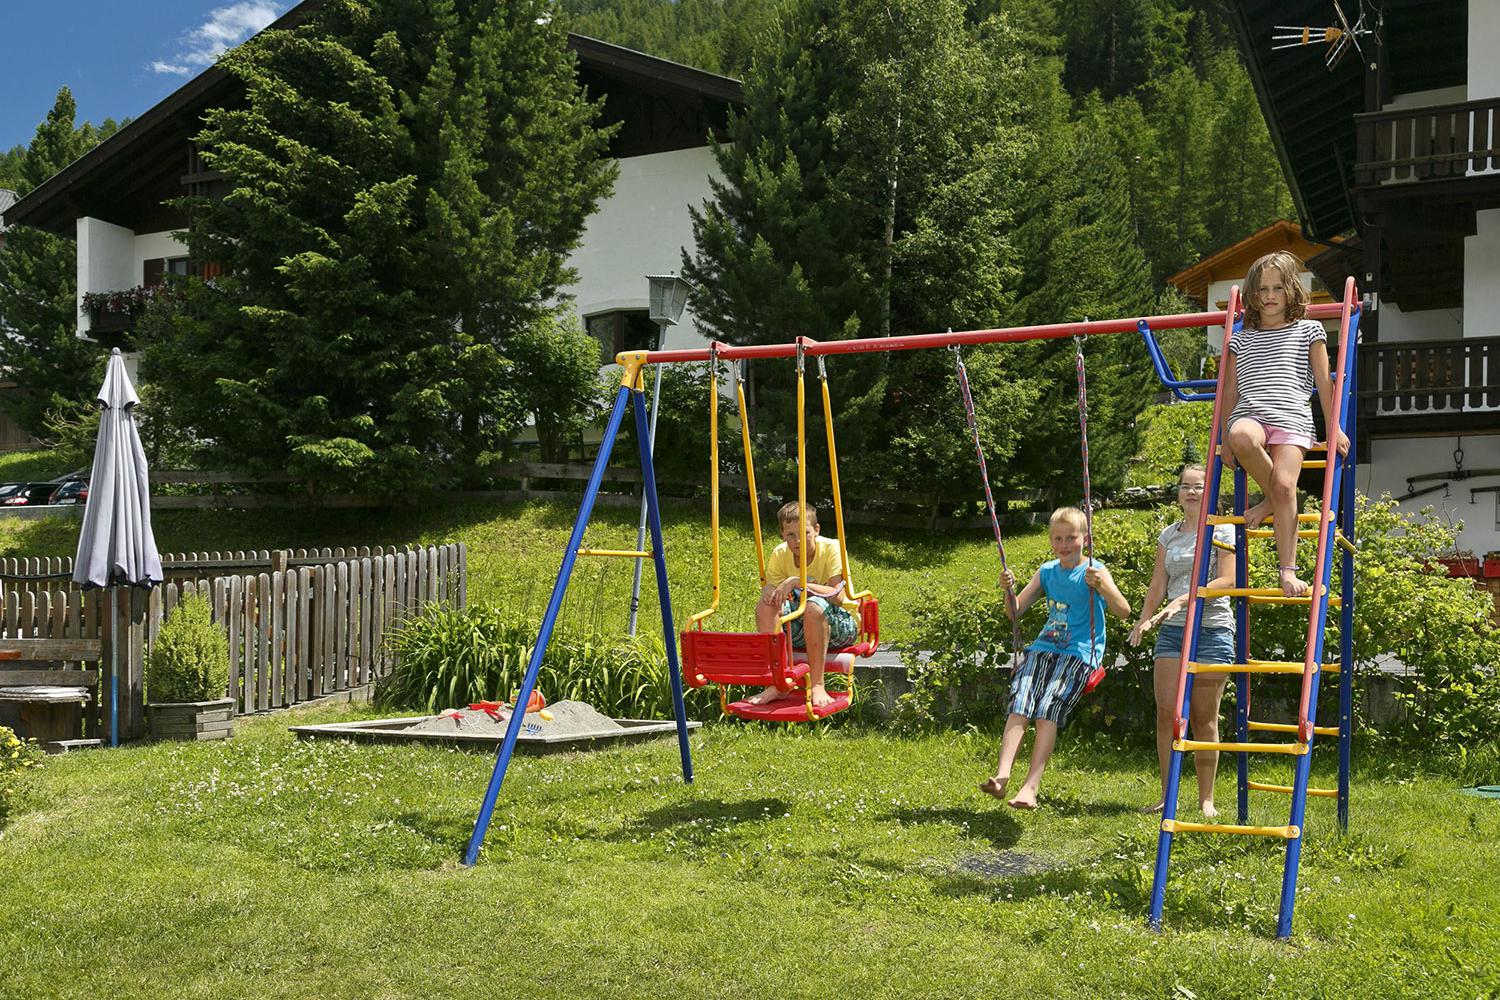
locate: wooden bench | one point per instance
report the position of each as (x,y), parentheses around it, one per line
(51,697)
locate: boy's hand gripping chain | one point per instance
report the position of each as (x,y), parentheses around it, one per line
(1096,674)
(989,500)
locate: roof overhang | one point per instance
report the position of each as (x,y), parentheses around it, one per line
(1310,110)
(58,202)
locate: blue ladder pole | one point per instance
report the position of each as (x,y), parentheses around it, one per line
(544,635)
(663,591)
(1242,646)
(1346,613)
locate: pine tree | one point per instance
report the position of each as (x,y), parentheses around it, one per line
(863,197)
(407,180)
(53,370)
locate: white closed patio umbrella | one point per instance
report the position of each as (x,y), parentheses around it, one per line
(116,545)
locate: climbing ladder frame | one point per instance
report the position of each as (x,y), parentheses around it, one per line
(1335,529)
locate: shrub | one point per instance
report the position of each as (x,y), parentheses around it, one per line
(1406,607)
(448,657)
(190,659)
(17,756)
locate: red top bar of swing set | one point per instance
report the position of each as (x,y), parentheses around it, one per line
(1051,331)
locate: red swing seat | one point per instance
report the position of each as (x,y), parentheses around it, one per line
(767,659)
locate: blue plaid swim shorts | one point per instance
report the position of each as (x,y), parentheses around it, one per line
(843,630)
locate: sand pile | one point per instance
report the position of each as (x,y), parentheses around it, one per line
(570,719)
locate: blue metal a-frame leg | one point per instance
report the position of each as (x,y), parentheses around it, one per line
(631,391)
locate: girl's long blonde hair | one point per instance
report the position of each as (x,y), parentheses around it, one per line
(1290,269)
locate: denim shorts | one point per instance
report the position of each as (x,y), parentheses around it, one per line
(1215,645)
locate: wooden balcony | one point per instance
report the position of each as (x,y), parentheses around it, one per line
(1430,387)
(1438,143)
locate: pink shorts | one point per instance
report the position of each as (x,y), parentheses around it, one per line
(1275,435)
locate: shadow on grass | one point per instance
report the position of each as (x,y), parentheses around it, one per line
(705,814)
(1071,805)
(451,834)
(994,825)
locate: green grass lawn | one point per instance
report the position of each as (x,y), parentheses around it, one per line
(805,862)
(515,550)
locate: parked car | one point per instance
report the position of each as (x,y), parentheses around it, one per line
(28,495)
(74,491)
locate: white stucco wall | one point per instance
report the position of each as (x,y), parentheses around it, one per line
(1426,98)
(1484,32)
(641,229)
(1482,273)
(105,261)
(154,246)
(1394,459)
(1428,324)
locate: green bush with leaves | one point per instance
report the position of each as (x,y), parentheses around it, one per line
(17,758)
(190,659)
(450,657)
(1405,607)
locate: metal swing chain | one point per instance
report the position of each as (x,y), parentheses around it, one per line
(1088,496)
(989,497)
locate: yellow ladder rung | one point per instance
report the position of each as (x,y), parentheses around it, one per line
(1334,600)
(1315,463)
(1289,727)
(621,553)
(1252,667)
(1322,793)
(1261,595)
(1296,749)
(1240,518)
(1239,667)
(1338,536)
(1297,666)
(1178,826)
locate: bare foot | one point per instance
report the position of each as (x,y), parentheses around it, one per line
(1291,584)
(770,694)
(1208,809)
(1256,516)
(1152,810)
(995,786)
(821,697)
(1025,799)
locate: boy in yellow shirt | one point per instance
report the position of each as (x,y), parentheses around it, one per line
(830,621)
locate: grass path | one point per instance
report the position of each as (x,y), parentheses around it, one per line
(802,863)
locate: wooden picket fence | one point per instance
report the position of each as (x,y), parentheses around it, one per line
(301,623)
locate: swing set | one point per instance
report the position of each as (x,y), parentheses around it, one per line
(755,658)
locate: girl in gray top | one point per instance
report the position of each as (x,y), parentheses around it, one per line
(1169,580)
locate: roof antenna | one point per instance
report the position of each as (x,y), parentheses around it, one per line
(1340,38)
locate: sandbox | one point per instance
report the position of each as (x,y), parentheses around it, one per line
(574,725)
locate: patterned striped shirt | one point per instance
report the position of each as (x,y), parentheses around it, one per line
(1273,371)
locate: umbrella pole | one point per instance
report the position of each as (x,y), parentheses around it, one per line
(114,666)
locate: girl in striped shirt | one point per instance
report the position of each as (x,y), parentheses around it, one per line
(1274,364)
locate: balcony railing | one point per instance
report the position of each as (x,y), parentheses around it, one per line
(1417,144)
(1404,378)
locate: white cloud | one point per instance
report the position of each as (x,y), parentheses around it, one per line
(225,28)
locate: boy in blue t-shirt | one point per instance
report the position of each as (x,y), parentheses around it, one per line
(1049,682)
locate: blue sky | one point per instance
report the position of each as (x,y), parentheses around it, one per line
(119,57)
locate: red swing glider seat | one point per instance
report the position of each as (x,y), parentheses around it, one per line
(764,659)
(767,659)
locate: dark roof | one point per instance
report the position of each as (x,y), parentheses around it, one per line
(1311,110)
(87,185)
